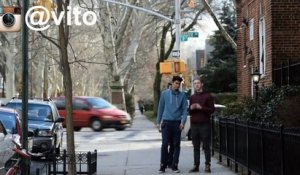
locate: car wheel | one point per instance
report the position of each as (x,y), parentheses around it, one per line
(77,128)
(96,125)
(120,128)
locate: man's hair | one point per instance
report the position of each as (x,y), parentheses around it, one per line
(200,78)
(177,78)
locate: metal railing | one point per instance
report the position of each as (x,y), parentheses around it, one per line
(261,148)
(86,163)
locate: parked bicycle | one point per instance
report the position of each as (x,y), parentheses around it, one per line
(14,165)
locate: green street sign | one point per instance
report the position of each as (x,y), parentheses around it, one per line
(184,38)
(191,34)
(195,35)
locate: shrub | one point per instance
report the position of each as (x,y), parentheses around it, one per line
(224,98)
(148,104)
(274,105)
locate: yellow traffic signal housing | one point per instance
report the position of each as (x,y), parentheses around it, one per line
(179,66)
(166,67)
(174,66)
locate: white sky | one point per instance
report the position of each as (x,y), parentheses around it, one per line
(205,27)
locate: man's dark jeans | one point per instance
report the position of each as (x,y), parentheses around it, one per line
(171,134)
(201,133)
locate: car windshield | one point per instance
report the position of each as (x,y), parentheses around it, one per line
(99,103)
(36,112)
(9,121)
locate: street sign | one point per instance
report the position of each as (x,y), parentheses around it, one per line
(191,34)
(183,37)
(175,53)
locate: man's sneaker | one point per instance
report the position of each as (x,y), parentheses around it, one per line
(207,168)
(175,169)
(194,169)
(162,169)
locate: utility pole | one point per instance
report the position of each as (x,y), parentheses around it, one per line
(176,50)
(25,165)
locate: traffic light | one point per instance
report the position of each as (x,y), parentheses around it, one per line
(179,66)
(166,67)
(174,66)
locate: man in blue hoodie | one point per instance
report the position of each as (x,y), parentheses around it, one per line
(171,117)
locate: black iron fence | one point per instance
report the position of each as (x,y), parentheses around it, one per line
(86,163)
(261,148)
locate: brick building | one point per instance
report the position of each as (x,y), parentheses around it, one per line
(269,40)
(200,59)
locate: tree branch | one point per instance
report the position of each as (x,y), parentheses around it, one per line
(221,28)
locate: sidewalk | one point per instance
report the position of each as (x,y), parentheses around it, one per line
(141,155)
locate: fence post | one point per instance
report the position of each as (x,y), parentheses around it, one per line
(54,163)
(220,141)
(212,135)
(65,162)
(234,146)
(95,153)
(262,148)
(226,126)
(89,163)
(49,167)
(282,150)
(249,172)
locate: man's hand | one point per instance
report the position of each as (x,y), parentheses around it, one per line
(196,106)
(181,126)
(193,106)
(157,126)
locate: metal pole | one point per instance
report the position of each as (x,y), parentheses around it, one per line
(177,26)
(256,91)
(25,165)
(140,8)
(176,48)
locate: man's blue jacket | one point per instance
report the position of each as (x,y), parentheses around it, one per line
(172,106)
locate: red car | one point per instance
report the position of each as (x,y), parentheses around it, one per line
(94,112)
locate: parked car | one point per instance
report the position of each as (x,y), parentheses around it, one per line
(187,128)
(44,120)
(94,112)
(6,145)
(11,120)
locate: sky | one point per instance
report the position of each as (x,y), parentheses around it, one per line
(205,27)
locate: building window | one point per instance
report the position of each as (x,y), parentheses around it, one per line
(262,46)
(251,29)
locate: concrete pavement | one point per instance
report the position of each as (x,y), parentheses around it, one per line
(141,154)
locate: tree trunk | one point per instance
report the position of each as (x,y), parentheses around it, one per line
(67,83)
(9,49)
